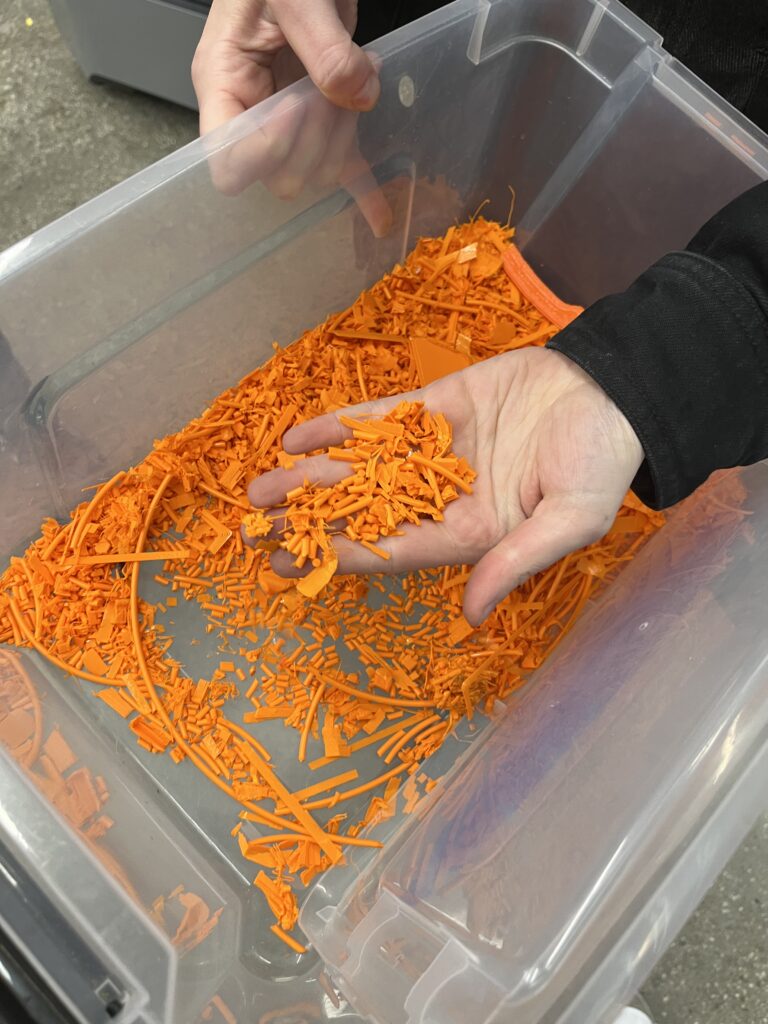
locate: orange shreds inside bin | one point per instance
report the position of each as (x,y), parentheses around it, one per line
(175,518)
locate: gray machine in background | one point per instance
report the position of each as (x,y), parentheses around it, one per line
(145,44)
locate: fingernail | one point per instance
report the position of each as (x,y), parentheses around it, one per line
(383,224)
(367,96)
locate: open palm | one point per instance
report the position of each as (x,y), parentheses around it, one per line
(554,458)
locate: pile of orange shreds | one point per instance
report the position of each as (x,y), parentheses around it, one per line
(402,470)
(74,595)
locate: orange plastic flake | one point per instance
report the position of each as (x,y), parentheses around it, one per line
(525,278)
(288,939)
(17,728)
(59,751)
(434,361)
(84,801)
(315,581)
(257,524)
(94,662)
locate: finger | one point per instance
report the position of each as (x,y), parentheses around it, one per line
(419,547)
(341,141)
(269,489)
(336,65)
(216,107)
(558,526)
(308,149)
(261,152)
(227,81)
(342,164)
(326,431)
(361,184)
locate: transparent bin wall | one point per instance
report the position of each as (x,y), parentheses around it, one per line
(552,867)
(80,907)
(125,318)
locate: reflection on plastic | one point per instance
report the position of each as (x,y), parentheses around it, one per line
(14,385)
(305,142)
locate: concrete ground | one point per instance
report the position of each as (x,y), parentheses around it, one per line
(64,140)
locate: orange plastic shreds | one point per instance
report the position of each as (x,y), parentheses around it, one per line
(420,667)
(304,821)
(84,801)
(195,915)
(433,360)
(117,701)
(17,729)
(281,899)
(309,718)
(133,556)
(392,482)
(363,788)
(99,827)
(288,939)
(322,787)
(315,581)
(225,1012)
(59,751)
(257,524)
(185,917)
(267,714)
(527,281)
(94,662)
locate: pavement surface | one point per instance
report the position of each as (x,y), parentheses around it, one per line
(63,140)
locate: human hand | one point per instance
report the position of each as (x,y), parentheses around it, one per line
(251,49)
(554,458)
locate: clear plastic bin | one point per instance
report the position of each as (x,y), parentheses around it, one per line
(575,833)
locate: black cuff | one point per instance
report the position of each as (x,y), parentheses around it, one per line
(684,354)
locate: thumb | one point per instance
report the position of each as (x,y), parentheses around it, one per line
(337,66)
(559,524)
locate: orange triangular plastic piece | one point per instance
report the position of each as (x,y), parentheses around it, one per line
(434,361)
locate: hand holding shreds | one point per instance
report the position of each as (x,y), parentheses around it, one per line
(402,471)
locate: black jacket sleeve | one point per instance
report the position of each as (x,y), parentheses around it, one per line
(683,352)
